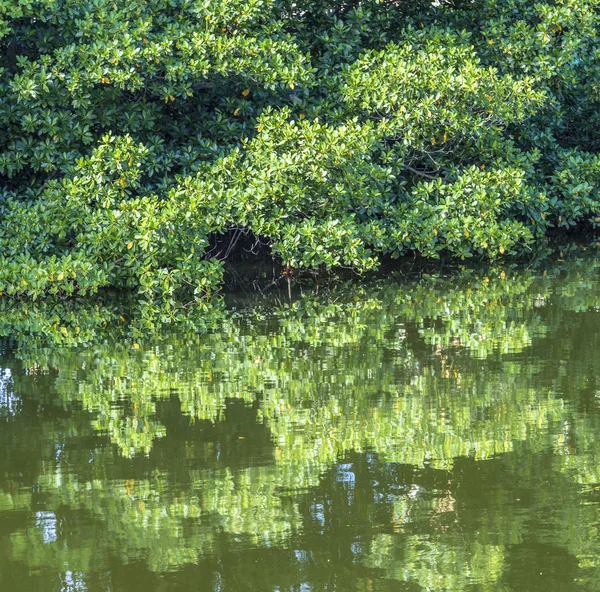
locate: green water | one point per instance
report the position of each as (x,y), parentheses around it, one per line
(437,432)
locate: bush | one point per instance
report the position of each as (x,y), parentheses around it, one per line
(134,132)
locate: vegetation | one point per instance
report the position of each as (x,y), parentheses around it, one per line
(140,139)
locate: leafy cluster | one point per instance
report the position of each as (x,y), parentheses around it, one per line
(135,133)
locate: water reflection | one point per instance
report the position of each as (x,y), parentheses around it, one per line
(435,434)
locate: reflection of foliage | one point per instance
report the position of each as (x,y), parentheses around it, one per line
(433,564)
(225,427)
(117,317)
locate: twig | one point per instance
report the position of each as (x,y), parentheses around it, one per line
(420,173)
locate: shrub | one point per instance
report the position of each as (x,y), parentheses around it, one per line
(134,132)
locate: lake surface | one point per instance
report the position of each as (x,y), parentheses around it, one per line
(419,433)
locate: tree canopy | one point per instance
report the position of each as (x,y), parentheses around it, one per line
(135,133)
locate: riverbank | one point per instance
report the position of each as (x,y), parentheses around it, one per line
(118,317)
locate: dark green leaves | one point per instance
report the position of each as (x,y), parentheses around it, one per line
(132,133)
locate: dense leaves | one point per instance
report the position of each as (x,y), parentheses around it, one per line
(134,134)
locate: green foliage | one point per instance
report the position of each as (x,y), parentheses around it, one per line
(134,133)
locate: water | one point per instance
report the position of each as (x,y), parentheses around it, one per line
(436,433)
